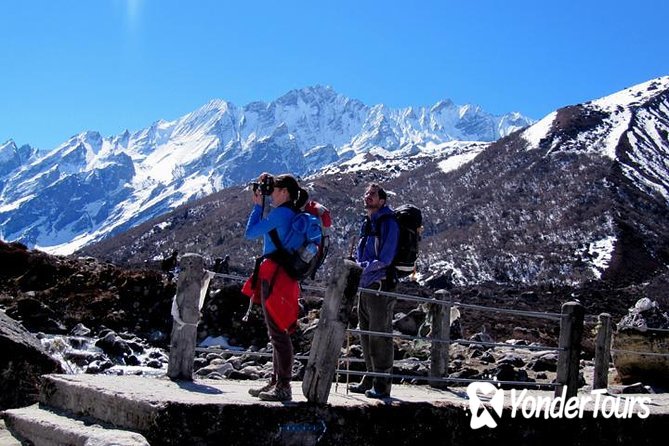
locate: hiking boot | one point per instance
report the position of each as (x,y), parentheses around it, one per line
(277,393)
(364,385)
(373,393)
(360,387)
(257,391)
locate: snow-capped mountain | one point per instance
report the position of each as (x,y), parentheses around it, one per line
(91,187)
(581,195)
(13,157)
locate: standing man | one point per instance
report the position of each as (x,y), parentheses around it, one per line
(375,253)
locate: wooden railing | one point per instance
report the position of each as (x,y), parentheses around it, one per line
(340,295)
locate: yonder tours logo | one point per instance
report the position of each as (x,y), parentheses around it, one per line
(538,406)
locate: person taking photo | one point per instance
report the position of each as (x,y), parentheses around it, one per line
(270,285)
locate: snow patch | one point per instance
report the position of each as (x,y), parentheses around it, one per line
(534,134)
(598,254)
(456,161)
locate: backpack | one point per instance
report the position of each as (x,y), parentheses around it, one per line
(307,243)
(410,221)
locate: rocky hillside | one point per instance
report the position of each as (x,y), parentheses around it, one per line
(52,294)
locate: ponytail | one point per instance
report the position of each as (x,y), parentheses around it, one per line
(302,198)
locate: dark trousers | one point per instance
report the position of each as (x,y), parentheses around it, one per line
(375,313)
(282,347)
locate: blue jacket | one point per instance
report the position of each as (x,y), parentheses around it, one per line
(376,252)
(279,218)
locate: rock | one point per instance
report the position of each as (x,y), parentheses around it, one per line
(409,323)
(632,366)
(133,360)
(80,330)
(35,316)
(99,366)
(198,363)
(222,368)
(531,335)
(410,367)
(212,356)
(466,373)
(544,363)
(642,330)
(483,336)
(135,346)
(22,362)
(113,345)
(507,372)
(487,357)
(80,357)
(456,329)
(512,359)
(645,314)
(154,364)
(637,388)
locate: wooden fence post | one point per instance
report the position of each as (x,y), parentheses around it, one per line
(441,331)
(192,283)
(571,331)
(600,379)
(331,331)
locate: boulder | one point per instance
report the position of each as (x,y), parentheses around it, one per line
(22,362)
(35,316)
(632,365)
(640,347)
(409,323)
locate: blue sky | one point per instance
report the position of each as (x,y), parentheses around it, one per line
(108,65)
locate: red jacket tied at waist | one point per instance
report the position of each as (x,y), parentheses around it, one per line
(281,304)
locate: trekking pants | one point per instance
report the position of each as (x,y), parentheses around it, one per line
(282,346)
(375,313)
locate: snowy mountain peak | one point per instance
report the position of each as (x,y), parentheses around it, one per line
(90,187)
(213,106)
(596,126)
(633,96)
(441,105)
(629,128)
(7,150)
(316,93)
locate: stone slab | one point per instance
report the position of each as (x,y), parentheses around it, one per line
(6,437)
(42,427)
(207,412)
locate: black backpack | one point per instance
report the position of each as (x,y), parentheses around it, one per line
(410,221)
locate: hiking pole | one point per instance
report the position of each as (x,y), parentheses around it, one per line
(245,318)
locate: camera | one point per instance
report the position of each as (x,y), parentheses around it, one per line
(266,186)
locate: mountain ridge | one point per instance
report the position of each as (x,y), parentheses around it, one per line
(91,187)
(578,197)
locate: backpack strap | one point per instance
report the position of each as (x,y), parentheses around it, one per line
(274,235)
(391,272)
(365,232)
(380,220)
(367,224)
